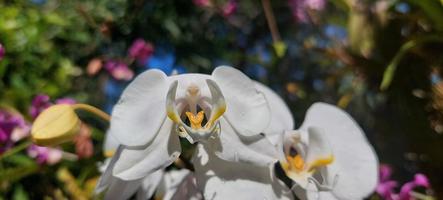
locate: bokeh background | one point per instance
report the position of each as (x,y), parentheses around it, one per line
(380,60)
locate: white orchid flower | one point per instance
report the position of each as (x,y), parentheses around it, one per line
(155,109)
(221,179)
(329,157)
(165,185)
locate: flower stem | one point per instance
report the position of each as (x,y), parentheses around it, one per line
(16,149)
(93,110)
(271,20)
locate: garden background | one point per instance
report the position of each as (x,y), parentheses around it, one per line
(380,60)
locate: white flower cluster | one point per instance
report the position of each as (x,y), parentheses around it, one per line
(246,147)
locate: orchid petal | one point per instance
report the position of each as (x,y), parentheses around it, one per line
(172,183)
(106,178)
(231,146)
(120,189)
(140,111)
(171,108)
(149,185)
(281,117)
(134,163)
(218,103)
(247,109)
(355,160)
(187,189)
(318,151)
(235,180)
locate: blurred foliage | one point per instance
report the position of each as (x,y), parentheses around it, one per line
(379,59)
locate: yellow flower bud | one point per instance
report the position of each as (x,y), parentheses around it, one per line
(55,125)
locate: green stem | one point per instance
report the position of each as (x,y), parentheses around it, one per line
(16,149)
(388,75)
(93,110)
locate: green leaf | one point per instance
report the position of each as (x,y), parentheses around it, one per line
(20,193)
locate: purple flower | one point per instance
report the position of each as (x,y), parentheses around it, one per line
(45,155)
(141,50)
(9,127)
(39,103)
(119,70)
(229,8)
(2,51)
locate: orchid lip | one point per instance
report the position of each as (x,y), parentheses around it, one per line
(195,131)
(302,165)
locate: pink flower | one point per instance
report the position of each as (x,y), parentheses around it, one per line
(119,70)
(386,186)
(83,143)
(94,66)
(318,5)
(299,8)
(202,3)
(66,100)
(45,155)
(141,50)
(2,51)
(420,180)
(229,8)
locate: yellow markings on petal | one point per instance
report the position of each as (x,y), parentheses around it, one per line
(320,163)
(173,116)
(55,125)
(218,113)
(196,120)
(109,153)
(297,164)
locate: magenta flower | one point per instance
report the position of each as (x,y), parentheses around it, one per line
(39,103)
(141,50)
(119,70)
(2,51)
(10,126)
(386,186)
(420,180)
(45,155)
(202,3)
(229,8)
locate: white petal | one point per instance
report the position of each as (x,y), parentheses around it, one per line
(111,144)
(231,146)
(134,163)
(149,185)
(106,177)
(318,146)
(219,179)
(281,117)
(247,109)
(187,189)
(355,160)
(173,182)
(138,115)
(218,103)
(120,189)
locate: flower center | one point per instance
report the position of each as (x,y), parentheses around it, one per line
(196,120)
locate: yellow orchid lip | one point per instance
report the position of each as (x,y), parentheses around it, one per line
(299,171)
